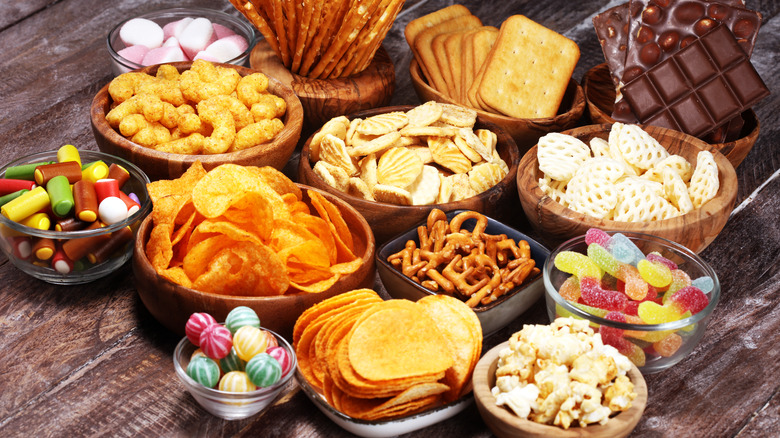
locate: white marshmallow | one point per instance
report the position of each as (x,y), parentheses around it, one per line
(172,42)
(197,36)
(227,48)
(174,28)
(141,31)
(162,55)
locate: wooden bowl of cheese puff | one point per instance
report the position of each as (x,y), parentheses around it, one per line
(396,164)
(621,177)
(165,117)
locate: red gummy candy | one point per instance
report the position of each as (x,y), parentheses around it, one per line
(595,235)
(593,295)
(653,257)
(632,308)
(195,326)
(614,336)
(690,298)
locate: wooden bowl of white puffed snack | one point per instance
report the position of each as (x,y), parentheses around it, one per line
(622,177)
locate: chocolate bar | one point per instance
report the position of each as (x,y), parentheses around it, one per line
(699,88)
(612,30)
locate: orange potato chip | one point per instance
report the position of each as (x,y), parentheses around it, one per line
(176,275)
(323,306)
(277,180)
(244,269)
(159,249)
(338,227)
(183,184)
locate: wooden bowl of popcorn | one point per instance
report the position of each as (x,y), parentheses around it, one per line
(504,422)
(688,203)
(271,128)
(387,208)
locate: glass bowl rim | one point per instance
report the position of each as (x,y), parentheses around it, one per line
(714,295)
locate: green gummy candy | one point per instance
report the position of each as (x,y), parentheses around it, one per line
(603,259)
(578,264)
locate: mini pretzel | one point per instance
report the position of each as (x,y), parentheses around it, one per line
(457,222)
(460,279)
(486,289)
(434,216)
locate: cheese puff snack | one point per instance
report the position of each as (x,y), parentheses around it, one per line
(208,109)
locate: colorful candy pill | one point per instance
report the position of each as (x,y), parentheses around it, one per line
(68,152)
(75,249)
(61,263)
(94,171)
(70,224)
(5,199)
(215,341)
(44,248)
(118,173)
(241,316)
(85,200)
(204,371)
(22,247)
(39,221)
(263,370)
(195,325)
(249,341)
(112,210)
(105,188)
(236,381)
(282,356)
(118,240)
(69,169)
(60,195)
(24,171)
(14,185)
(28,203)
(132,205)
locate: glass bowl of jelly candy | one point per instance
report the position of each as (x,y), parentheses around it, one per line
(241,380)
(649,297)
(69,216)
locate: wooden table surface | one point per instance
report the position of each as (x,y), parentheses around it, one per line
(90,360)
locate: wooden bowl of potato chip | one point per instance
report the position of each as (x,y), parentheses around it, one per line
(696,229)
(525,132)
(600,96)
(172,304)
(161,165)
(388,220)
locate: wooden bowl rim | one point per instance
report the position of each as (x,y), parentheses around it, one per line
(575,111)
(726,191)
(367,257)
(361,203)
(293,122)
(749,115)
(485,399)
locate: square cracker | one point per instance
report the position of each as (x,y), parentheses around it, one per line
(528,69)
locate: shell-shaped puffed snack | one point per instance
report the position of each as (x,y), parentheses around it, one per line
(639,202)
(457,115)
(398,167)
(674,162)
(554,189)
(336,126)
(425,114)
(639,148)
(485,175)
(446,154)
(425,188)
(334,151)
(599,147)
(596,197)
(392,195)
(560,155)
(704,183)
(676,191)
(381,124)
(602,167)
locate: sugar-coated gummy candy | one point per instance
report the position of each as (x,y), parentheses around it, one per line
(633,285)
(215,340)
(578,264)
(595,235)
(570,289)
(241,316)
(593,295)
(680,279)
(282,356)
(236,381)
(654,313)
(195,325)
(705,284)
(250,341)
(263,370)
(603,259)
(689,298)
(656,274)
(623,249)
(667,346)
(232,362)
(656,257)
(204,371)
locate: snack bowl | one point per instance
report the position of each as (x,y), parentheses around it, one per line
(102,257)
(690,329)
(525,132)
(172,304)
(225,404)
(504,423)
(383,428)
(694,230)
(600,96)
(493,316)
(388,220)
(164,165)
(162,17)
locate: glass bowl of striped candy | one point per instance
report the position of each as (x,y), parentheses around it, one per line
(649,297)
(69,216)
(234,369)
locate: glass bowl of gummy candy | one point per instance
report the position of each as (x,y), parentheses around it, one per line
(180,34)
(69,216)
(233,369)
(649,297)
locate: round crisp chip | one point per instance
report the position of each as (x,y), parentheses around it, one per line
(222,187)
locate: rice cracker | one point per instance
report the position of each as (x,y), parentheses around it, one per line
(528,69)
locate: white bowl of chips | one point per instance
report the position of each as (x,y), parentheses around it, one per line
(556,208)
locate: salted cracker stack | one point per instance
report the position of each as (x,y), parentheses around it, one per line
(528,69)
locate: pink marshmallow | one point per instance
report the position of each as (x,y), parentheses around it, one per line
(171,42)
(134,53)
(162,55)
(222,31)
(141,31)
(174,28)
(197,36)
(205,56)
(227,48)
